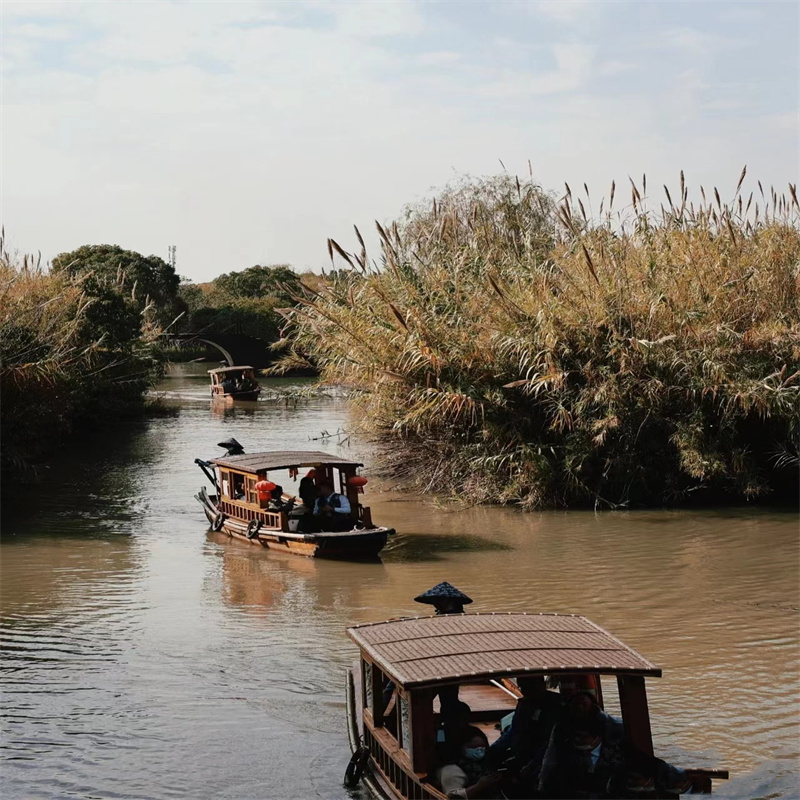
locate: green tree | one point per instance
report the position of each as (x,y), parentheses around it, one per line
(149,281)
(279,281)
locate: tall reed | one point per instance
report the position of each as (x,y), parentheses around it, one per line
(514,348)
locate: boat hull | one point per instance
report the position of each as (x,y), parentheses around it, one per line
(350,545)
(231,398)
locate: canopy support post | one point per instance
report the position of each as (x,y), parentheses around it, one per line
(423,732)
(635,716)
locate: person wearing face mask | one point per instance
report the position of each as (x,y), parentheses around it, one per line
(472,776)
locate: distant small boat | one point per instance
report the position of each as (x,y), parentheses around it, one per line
(394,751)
(234,383)
(243,506)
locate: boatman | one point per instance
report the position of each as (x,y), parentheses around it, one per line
(445,599)
(332,509)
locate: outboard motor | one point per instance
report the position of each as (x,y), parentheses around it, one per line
(232,446)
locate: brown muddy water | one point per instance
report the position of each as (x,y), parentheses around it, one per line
(144,657)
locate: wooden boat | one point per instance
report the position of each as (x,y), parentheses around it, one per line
(481,654)
(239,508)
(242,375)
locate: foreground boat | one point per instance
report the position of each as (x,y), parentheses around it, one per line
(480,654)
(234,383)
(243,506)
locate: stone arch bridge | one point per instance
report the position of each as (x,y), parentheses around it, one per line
(235,348)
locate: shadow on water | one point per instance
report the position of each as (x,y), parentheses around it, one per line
(436,547)
(86,491)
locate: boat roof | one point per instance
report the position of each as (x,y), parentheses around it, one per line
(230,369)
(283,459)
(420,651)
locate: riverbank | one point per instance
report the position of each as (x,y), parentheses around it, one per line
(515,350)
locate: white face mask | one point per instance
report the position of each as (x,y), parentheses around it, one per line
(474,753)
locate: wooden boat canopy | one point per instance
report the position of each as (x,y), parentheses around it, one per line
(255,463)
(422,651)
(239,368)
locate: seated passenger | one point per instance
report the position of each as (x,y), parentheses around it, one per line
(332,510)
(580,760)
(228,385)
(471,775)
(452,729)
(276,501)
(526,739)
(582,706)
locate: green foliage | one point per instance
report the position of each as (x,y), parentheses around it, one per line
(242,302)
(511,350)
(76,350)
(279,282)
(149,281)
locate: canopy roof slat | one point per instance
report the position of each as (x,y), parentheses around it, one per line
(228,369)
(282,459)
(421,651)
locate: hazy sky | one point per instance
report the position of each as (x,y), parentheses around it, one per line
(249,132)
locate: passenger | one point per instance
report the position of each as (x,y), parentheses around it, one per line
(580,760)
(246,382)
(454,726)
(472,775)
(276,502)
(228,384)
(332,510)
(308,490)
(582,706)
(526,739)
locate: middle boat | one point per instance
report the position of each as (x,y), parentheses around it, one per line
(248,506)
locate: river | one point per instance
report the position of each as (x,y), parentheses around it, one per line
(145,657)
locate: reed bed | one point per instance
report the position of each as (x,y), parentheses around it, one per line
(511,347)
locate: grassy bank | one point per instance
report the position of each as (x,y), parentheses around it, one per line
(513,348)
(77,351)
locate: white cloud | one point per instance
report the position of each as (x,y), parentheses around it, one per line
(250,132)
(564,11)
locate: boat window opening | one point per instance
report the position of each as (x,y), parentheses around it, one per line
(224,477)
(251,495)
(237,486)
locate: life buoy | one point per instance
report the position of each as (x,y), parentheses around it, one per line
(355,769)
(253,528)
(218,522)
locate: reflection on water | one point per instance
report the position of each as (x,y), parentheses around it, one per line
(147,657)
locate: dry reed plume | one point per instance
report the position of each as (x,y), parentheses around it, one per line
(515,349)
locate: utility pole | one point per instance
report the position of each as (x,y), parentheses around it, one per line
(172,259)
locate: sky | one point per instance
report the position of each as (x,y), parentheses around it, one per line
(249,132)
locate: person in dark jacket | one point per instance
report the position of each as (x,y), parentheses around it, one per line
(308,490)
(523,744)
